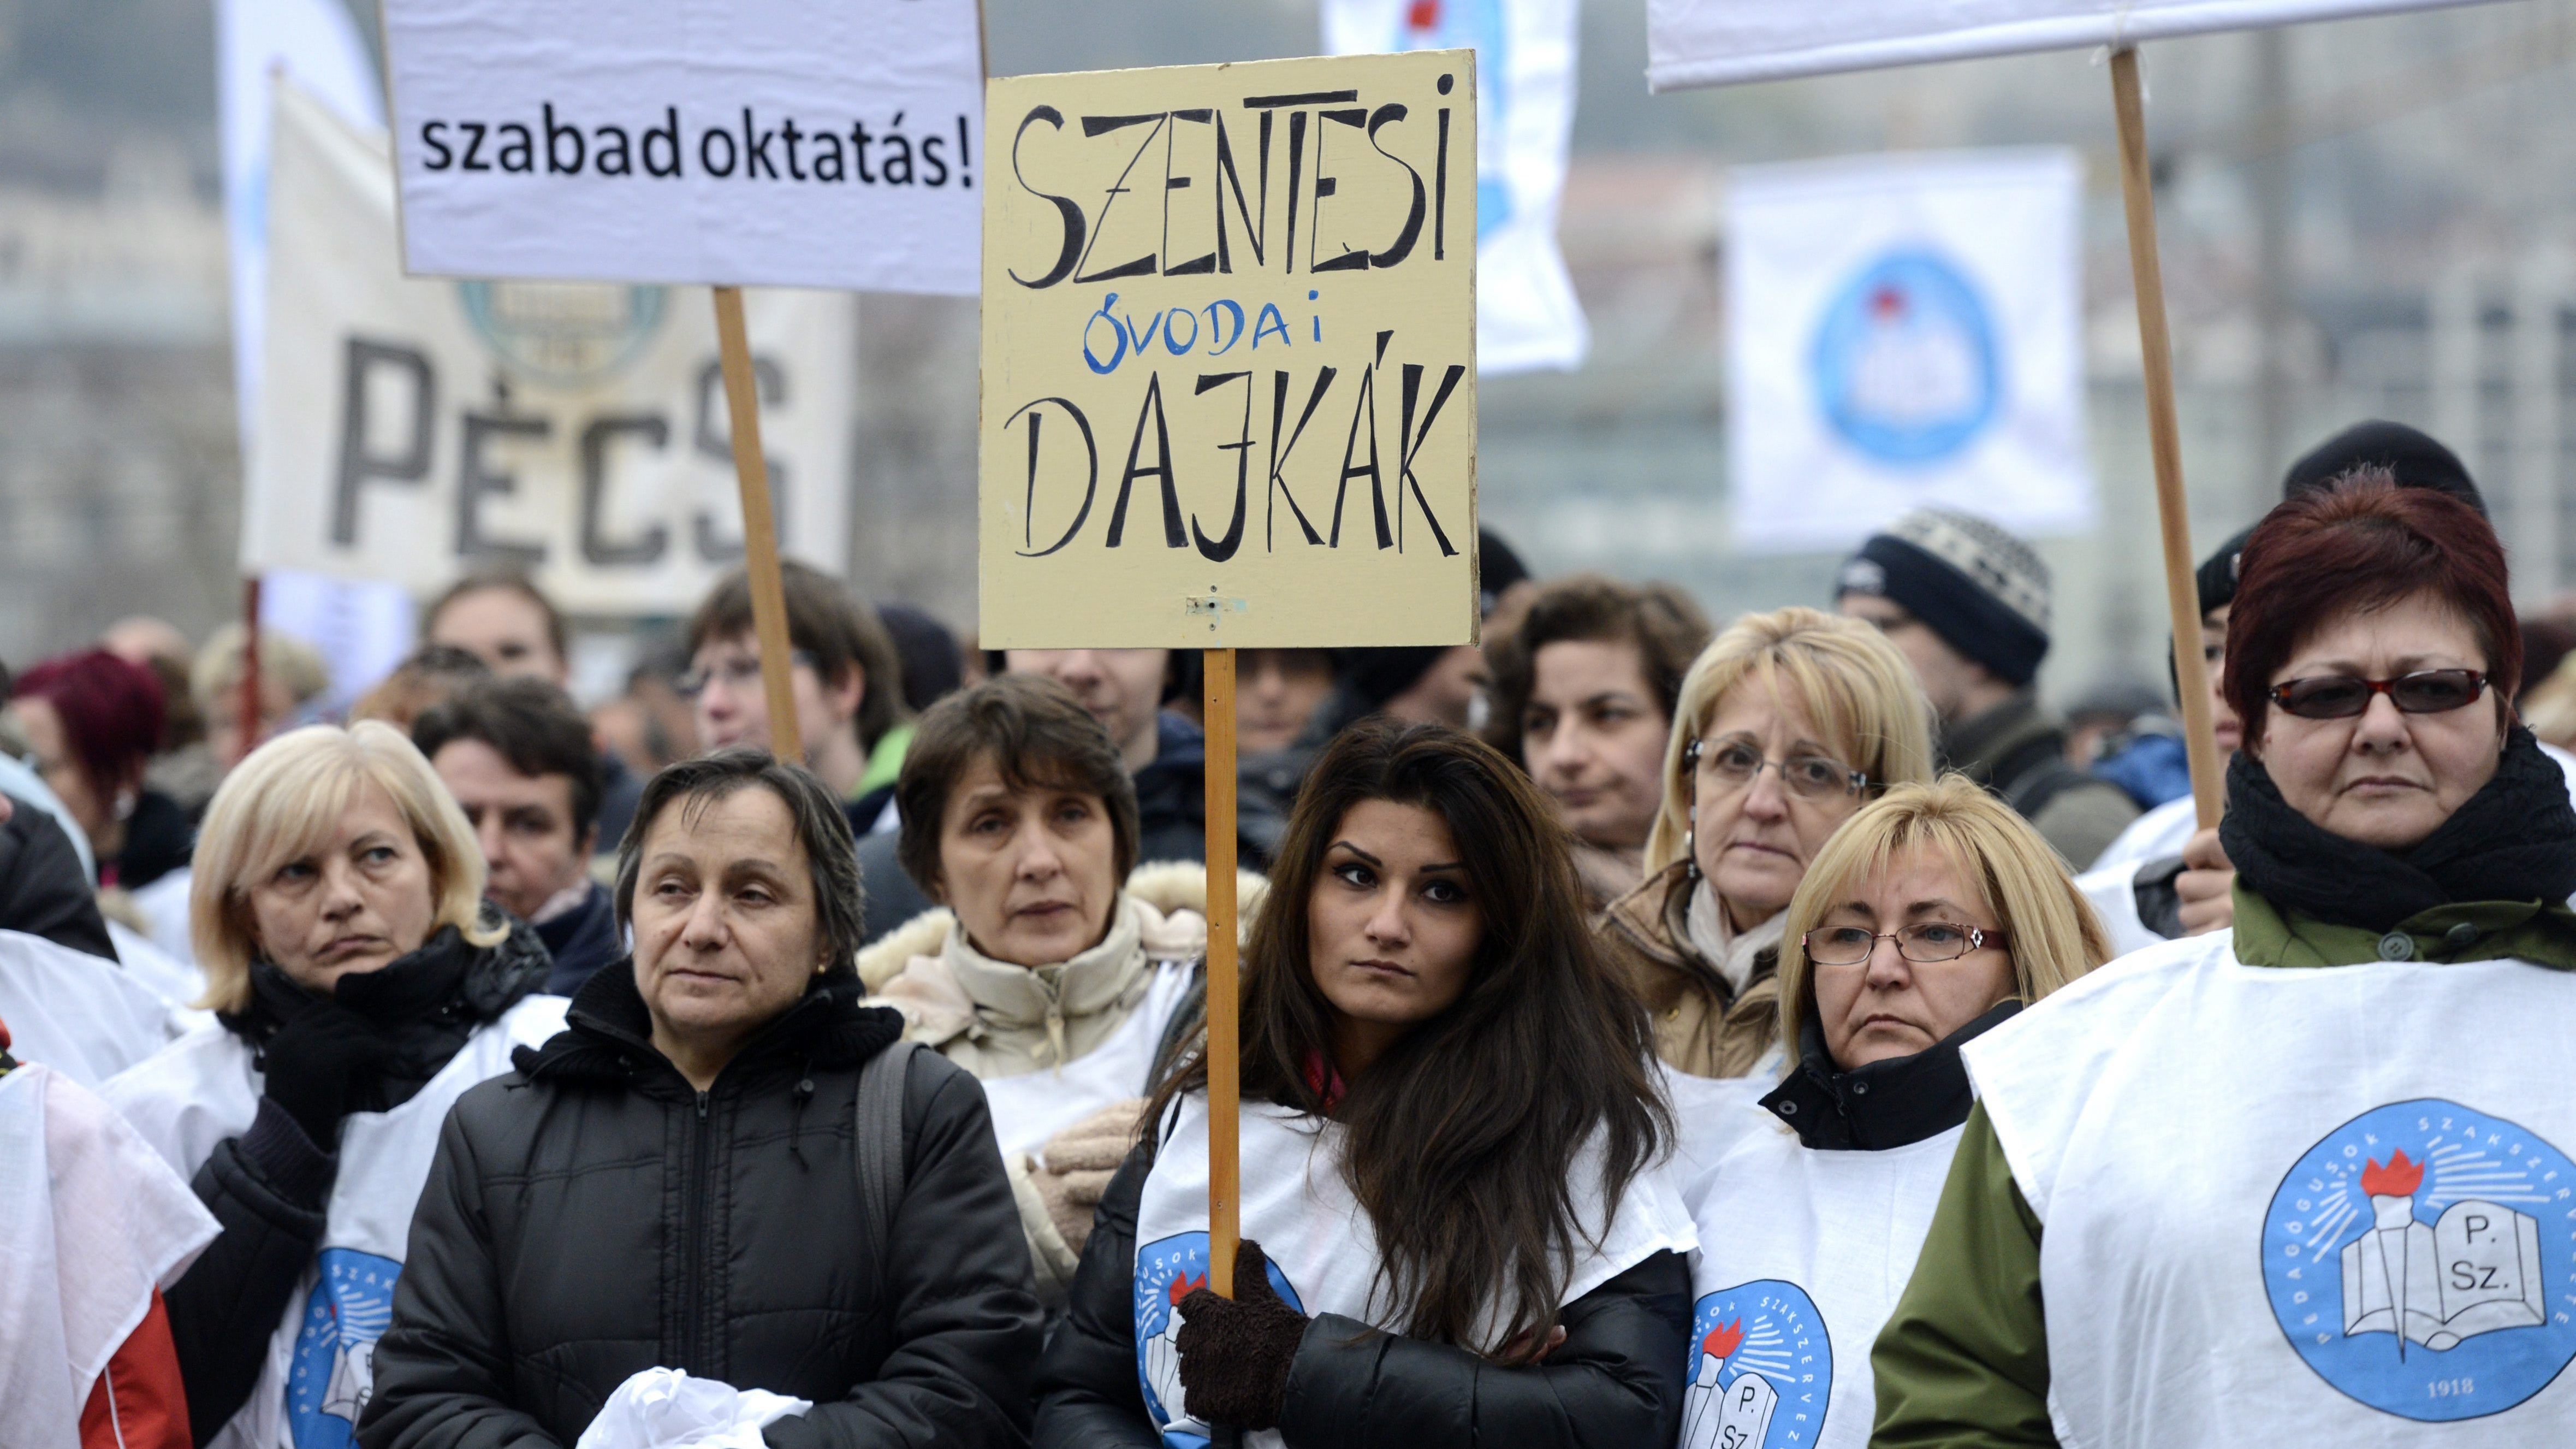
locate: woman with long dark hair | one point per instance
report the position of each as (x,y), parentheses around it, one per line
(1455,1225)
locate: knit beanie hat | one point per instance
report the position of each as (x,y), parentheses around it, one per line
(1984,591)
(2415,457)
(2216,576)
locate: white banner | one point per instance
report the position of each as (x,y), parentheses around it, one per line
(771,142)
(414,430)
(363,628)
(1722,42)
(1904,330)
(1527,316)
(315,42)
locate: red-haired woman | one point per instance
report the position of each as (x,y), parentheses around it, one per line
(2213,1193)
(93,721)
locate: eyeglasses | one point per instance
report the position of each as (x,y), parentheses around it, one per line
(1925,943)
(2342,696)
(734,673)
(1809,777)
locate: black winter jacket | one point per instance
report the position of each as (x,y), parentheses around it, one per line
(1615,1383)
(592,1215)
(270,1186)
(43,890)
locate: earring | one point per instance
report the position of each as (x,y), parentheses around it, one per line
(1690,853)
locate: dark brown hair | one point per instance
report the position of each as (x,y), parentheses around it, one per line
(1664,623)
(834,629)
(1464,1140)
(529,723)
(1037,735)
(2360,544)
(831,856)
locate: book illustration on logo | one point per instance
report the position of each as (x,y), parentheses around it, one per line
(1167,1271)
(332,1373)
(2419,1259)
(2475,1270)
(1762,1369)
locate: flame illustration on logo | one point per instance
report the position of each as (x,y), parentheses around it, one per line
(1183,1285)
(2395,1178)
(1723,1340)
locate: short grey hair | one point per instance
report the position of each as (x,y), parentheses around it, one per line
(820,827)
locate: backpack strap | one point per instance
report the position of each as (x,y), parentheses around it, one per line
(878,1145)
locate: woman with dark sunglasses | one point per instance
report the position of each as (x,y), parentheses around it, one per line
(2217,1193)
(1931,917)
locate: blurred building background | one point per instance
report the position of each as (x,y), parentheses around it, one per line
(2359,219)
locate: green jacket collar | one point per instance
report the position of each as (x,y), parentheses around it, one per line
(2465,931)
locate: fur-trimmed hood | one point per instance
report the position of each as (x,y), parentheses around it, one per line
(1176,929)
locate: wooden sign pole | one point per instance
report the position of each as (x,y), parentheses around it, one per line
(759,529)
(1224,1006)
(248,711)
(2164,439)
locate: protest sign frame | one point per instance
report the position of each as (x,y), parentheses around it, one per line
(742,398)
(1050,357)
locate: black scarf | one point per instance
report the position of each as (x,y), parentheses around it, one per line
(425,1003)
(1892,1103)
(2514,840)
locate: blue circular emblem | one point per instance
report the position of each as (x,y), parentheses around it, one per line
(563,334)
(2422,1259)
(1761,1369)
(333,1371)
(1905,361)
(1166,1270)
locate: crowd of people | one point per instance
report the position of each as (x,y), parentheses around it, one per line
(1652,1034)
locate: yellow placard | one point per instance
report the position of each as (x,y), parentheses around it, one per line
(1229,367)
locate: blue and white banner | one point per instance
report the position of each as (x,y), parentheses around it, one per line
(1527,317)
(1905,330)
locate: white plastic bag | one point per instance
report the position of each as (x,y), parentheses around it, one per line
(663,1408)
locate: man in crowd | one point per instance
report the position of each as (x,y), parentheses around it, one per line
(850,721)
(510,624)
(518,756)
(1967,604)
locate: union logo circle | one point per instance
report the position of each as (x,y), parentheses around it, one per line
(2421,1258)
(1905,361)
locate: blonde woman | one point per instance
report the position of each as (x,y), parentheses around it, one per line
(1934,914)
(1786,724)
(359,987)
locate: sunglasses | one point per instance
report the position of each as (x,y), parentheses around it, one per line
(2342,696)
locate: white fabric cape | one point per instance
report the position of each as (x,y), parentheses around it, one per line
(1802,1257)
(82,1015)
(205,1088)
(2298,1206)
(91,1223)
(1321,1246)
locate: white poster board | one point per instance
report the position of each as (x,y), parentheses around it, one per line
(1723,42)
(1527,316)
(736,142)
(1905,330)
(415,430)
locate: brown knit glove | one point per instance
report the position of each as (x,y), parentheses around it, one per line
(1074,1167)
(1236,1352)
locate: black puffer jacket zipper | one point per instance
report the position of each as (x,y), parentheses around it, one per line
(696,1209)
